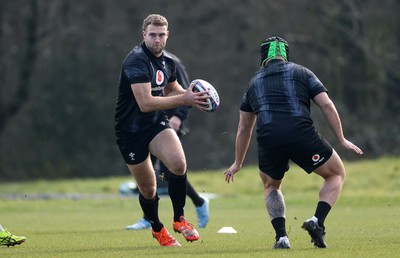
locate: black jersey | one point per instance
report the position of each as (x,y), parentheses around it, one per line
(281,91)
(141,66)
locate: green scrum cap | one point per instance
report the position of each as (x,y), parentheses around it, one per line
(273,47)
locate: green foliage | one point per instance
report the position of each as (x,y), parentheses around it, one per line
(364,223)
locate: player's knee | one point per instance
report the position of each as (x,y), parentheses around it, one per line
(148,192)
(339,170)
(333,168)
(270,187)
(342,174)
(338,175)
(269,183)
(178,167)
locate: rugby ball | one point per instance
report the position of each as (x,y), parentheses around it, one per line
(202,85)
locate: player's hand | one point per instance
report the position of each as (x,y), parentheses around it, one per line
(197,99)
(351,146)
(230,173)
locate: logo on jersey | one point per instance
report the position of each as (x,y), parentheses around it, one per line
(316,158)
(159,77)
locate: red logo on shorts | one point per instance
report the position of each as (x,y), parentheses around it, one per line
(315,157)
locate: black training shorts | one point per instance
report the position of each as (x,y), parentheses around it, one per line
(294,139)
(134,147)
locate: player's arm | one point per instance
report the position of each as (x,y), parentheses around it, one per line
(243,137)
(149,103)
(173,88)
(331,115)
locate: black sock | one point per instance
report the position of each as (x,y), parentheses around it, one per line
(150,210)
(196,199)
(321,212)
(177,193)
(279,225)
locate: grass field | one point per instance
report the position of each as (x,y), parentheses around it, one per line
(86,218)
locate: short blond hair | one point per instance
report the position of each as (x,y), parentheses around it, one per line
(154,19)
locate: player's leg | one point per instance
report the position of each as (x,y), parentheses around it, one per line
(275,203)
(193,195)
(167,147)
(143,173)
(145,178)
(190,191)
(333,173)
(201,203)
(162,174)
(143,222)
(272,165)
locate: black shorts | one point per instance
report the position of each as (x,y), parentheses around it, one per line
(134,147)
(291,140)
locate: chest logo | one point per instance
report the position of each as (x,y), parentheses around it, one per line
(159,77)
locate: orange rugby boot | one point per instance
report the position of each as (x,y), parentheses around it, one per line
(186,229)
(164,238)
